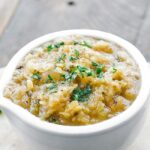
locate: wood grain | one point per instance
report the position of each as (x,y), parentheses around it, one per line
(7,7)
(129,19)
(143,38)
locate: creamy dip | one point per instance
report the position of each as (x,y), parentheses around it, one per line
(75,80)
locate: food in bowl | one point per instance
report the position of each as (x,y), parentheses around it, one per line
(75,80)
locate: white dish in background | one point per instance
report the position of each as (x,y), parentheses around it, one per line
(113,134)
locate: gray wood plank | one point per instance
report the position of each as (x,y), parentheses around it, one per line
(37,17)
(6,11)
(143,39)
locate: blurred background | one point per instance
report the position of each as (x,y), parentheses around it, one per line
(24,20)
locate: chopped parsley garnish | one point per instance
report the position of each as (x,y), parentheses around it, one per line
(52,87)
(81,69)
(81,95)
(0,112)
(75,42)
(84,43)
(88,71)
(52,46)
(59,44)
(70,76)
(76,52)
(71,58)
(73,74)
(99,69)
(36,76)
(62,57)
(94,64)
(49,78)
(114,69)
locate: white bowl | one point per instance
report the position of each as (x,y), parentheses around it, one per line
(112,134)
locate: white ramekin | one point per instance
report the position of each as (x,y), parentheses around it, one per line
(112,134)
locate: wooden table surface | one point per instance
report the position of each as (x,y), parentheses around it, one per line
(129,19)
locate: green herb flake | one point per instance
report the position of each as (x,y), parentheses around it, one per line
(52,87)
(114,69)
(98,70)
(89,72)
(75,42)
(59,44)
(36,76)
(81,69)
(62,57)
(53,46)
(94,64)
(81,95)
(77,54)
(49,78)
(50,48)
(0,112)
(71,58)
(84,43)
(70,76)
